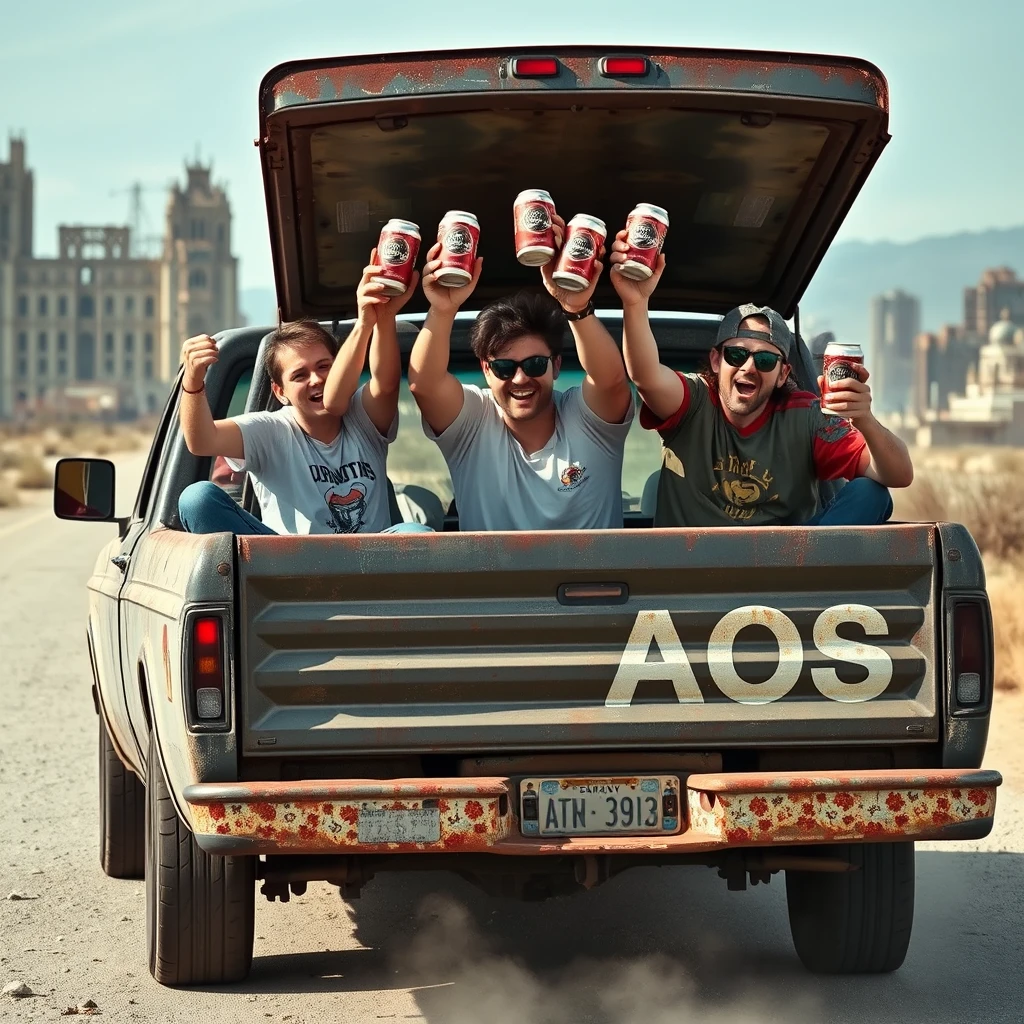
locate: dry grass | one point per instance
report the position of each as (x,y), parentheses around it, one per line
(33,474)
(984,490)
(8,493)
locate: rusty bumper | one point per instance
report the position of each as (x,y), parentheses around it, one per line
(481,815)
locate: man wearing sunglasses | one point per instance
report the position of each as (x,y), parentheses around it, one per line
(742,446)
(522,455)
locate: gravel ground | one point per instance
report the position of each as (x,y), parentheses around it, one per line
(652,946)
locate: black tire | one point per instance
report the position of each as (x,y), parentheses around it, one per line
(857,921)
(199,908)
(122,814)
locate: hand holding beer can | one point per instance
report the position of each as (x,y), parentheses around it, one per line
(397,250)
(459,235)
(646,228)
(842,361)
(581,248)
(535,234)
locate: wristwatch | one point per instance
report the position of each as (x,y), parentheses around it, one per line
(586,311)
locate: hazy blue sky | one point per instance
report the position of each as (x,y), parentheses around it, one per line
(108,92)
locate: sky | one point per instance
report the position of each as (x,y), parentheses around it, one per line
(110,92)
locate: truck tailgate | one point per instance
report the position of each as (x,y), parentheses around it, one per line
(682,639)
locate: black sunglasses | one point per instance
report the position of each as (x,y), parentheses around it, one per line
(533,366)
(764,362)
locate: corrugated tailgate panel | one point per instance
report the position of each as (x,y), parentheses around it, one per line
(458,642)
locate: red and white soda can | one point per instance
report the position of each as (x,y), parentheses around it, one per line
(459,235)
(584,236)
(397,250)
(646,228)
(535,233)
(841,362)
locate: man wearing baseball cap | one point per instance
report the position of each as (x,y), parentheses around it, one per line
(741,444)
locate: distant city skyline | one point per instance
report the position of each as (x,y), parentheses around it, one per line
(138,89)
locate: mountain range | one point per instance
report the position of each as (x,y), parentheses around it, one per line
(935,269)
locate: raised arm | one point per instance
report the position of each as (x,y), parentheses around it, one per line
(203,434)
(605,387)
(437,392)
(380,398)
(348,365)
(659,385)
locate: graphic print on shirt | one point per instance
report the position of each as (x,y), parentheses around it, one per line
(347,509)
(744,486)
(346,500)
(832,429)
(572,476)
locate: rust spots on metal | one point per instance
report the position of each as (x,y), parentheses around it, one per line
(722,810)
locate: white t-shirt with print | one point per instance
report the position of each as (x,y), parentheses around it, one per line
(572,483)
(306,486)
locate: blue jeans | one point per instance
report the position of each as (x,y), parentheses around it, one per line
(204,508)
(862,502)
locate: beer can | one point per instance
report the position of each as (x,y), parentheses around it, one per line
(535,234)
(397,250)
(584,236)
(840,363)
(459,235)
(646,228)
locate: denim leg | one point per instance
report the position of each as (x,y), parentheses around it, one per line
(204,508)
(862,502)
(408,528)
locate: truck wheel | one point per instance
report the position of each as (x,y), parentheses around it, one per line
(856,921)
(122,814)
(199,908)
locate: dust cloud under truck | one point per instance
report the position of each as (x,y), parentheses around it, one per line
(537,711)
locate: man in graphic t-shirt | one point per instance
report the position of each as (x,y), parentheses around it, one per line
(318,464)
(741,446)
(523,456)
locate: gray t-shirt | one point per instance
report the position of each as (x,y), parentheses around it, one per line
(573,483)
(306,486)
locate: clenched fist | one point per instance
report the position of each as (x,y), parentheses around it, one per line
(198,354)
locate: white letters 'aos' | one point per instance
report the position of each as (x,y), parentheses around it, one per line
(657,627)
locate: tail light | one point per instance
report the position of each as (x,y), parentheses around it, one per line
(206,682)
(971,654)
(534,67)
(623,67)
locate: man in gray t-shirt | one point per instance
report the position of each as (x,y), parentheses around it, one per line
(521,455)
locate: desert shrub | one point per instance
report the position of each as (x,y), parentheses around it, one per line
(33,474)
(8,493)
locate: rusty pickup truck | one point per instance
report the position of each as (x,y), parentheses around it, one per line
(537,711)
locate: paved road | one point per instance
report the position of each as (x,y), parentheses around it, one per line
(651,947)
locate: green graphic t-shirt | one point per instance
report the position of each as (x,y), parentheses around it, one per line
(713,474)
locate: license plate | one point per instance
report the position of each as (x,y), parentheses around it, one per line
(599,806)
(405,826)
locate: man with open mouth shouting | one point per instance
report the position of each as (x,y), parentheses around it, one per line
(523,456)
(741,445)
(318,463)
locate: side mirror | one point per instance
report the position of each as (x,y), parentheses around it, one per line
(84,489)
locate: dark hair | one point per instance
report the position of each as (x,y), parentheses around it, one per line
(296,332)
(506,320)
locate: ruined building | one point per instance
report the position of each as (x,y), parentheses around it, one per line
(97,320)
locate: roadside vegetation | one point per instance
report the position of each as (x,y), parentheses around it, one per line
(983,488)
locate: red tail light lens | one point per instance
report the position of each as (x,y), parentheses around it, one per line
(208,704)
(617,67)
(535,67)
(970,653)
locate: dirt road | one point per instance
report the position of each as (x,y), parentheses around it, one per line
(653,946)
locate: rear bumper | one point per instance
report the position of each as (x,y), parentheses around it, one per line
(480,815)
